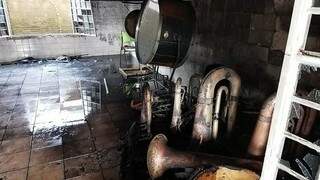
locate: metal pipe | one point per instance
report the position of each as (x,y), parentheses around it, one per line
(203,118)
(215,122)
(160,158)
(259,139)
(176,115)
(146,111)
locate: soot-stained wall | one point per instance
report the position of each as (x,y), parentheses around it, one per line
(247,35)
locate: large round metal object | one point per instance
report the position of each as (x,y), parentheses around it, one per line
(131,22)
(164,32)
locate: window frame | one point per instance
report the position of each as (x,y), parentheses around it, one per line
(8,24)
(78,8)
(6,18)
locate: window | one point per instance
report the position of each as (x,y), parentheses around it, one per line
(82,17)
(3,23)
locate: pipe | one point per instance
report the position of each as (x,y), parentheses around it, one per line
(259,139)
(146,111)
(308,123)
(161,158)
(303,128)
(215,122)
(176,116)
(203,118)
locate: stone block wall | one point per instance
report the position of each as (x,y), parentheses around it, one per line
(249,36)
(240,32)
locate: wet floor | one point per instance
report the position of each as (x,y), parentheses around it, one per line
(43,130)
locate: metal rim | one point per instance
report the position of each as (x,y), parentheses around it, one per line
(156,45)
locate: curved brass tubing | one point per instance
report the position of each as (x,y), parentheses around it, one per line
(259,139)
(146,111)
(176,115)
(202,128)
(216,117)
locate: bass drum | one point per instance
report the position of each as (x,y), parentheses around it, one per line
(164,32)
(131,22)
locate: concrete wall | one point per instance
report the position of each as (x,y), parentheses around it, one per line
(109,18)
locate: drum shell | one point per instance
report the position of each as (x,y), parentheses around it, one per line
(177,19)
(131,22)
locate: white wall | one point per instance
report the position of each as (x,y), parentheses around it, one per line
(185,71)
(109,19)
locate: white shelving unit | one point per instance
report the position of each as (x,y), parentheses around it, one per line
(295,57)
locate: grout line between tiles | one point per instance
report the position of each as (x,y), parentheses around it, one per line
(64,168)
(36,111)
(1,138)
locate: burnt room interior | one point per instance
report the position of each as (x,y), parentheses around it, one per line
(159,89)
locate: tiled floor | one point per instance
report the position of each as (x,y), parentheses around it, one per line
(43,132)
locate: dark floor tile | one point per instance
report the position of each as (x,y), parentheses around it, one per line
(6,108)
(76,132)
(15,161)
(51,171)
(49,139)
(52,127)
(9,103)
(2,131)
(91,176)
(23,99)
(108,141)
(81,165)
(15,175)
(109,158)
(15,145)
(26,108)
(23,119)
(11,94)
(4,120)
(77,148)
(24,131)
(121,116)
(46,155)
(103,129)
(104,118)
(111,173)
(12,87)
(113,107)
